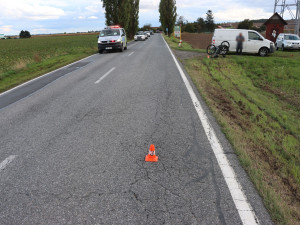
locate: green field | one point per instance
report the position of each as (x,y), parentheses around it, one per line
(24,59)
(256,100)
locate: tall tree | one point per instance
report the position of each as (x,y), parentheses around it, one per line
(123,13)
(167,10)
(209,21)
(181,20)
(200,25)
(134,18)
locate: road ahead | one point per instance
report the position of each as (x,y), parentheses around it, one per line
(72,152)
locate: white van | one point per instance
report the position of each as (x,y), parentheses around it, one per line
(254,42)
(112,37)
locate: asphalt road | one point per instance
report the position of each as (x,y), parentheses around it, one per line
(73,144)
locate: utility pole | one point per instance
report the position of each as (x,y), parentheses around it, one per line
(292,7)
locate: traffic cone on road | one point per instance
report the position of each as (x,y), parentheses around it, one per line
(151,157)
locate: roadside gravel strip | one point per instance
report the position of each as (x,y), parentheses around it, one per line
(73,151)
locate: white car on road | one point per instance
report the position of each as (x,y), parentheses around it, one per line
(147,33)
(140,36)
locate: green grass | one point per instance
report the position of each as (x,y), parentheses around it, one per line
(174,44)
(24,59)
(256,101)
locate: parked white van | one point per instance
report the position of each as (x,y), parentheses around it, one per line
(254,42)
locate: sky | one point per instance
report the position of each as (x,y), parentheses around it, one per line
(58,16)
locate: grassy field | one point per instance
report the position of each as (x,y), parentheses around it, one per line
(24,59)
(256,100)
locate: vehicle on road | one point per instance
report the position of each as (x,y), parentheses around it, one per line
(287,41)
(148,33)
(112,38)
(254,42)
(140,36)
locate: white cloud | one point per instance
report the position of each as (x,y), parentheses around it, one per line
(93,17)
(239,14)
(42,31)
(81,17)
(5,29)
(31,10)
(149,5)
(94,7)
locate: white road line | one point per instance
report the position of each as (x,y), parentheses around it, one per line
(244,208)
(130,53)
(105,75)
(7,161)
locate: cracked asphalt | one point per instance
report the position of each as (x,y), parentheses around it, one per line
(80,148)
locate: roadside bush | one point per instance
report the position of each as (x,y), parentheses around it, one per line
(24,34)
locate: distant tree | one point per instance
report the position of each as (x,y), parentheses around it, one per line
(181,20)
(24,34)
(147,26)
(200,25)
(245,24)
(259,21)
(134,18)
(123,13)
(167,10)
(209,21)
(190,27)
(262,28)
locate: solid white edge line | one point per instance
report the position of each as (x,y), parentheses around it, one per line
(130,53)
(37,78)
(244,208)
(105,75)
(7,161)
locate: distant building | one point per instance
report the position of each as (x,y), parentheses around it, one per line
(275,26)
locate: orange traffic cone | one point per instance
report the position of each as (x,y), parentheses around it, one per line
(151,157)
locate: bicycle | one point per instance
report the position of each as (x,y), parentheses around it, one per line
(222,49)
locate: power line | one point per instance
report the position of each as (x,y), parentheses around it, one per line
(292,7)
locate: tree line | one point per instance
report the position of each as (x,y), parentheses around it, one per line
(124,13)
(208,24)
(200,25)
(248,24)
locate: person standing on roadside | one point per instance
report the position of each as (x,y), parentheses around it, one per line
(239,47)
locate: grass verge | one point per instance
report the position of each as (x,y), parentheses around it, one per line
(256,101)
(25,59)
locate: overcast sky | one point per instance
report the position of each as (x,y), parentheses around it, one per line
(57,16)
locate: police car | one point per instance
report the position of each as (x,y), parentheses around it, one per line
(112,38)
